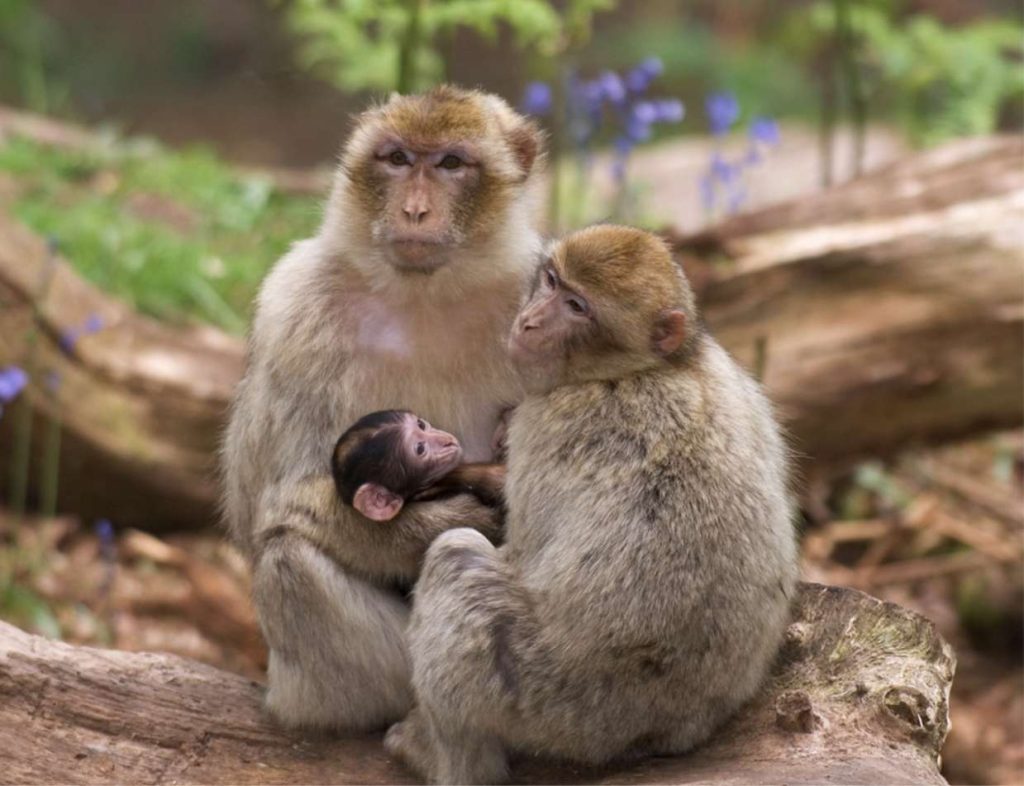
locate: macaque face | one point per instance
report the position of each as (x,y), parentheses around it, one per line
(556,318)
(601,308)
(433,174)
(426,191)
(428,451)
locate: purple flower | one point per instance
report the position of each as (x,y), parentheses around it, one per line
(611,88)
(765,131)
(70,337)
(669,110)
(723,110)
(12,381)
(640,76)
(537,98)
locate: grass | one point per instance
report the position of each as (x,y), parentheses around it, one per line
(179,235)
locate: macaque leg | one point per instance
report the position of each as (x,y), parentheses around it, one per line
(337,650)
(467,616)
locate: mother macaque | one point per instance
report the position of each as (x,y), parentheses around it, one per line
(402,300)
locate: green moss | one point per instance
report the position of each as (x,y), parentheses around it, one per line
(179,235)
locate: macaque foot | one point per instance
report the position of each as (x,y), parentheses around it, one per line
(409,742)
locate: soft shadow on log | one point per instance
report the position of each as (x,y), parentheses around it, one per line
(884,312)
(859,696)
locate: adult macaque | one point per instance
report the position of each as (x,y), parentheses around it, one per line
(402,300)
(390,458)
(649,560)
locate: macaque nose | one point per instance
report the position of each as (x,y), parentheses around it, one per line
(530,323)
(415,213)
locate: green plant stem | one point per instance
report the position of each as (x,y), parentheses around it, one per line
(50,474)
(851,76)
(409,46)
(22,451)
(827,120)
(557,147)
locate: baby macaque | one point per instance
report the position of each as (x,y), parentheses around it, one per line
(393,457)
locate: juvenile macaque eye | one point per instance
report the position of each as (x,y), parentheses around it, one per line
(398,158)
(577,305)
(422,425)
(421,448)
(450,161)
(549,276)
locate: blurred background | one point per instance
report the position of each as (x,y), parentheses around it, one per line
(156,158)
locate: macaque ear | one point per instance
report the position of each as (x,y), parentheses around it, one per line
(669,332)
(376,502)
(526,141)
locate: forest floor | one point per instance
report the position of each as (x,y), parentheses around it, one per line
(938,531)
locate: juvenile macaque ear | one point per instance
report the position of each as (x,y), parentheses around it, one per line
(669,332)
(526,141)
(376,502)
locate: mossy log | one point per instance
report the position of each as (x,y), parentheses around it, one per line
(881,313)
(859,695)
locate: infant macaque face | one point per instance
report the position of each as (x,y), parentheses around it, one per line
(438,452)
(387,457)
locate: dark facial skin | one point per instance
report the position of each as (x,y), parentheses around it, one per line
(425,188)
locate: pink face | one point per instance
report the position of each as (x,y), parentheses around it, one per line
(425,188)
(553,318)
(438,452)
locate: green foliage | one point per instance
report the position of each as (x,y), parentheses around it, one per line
(939,82)
(177,235)
(28,42)
(391,44)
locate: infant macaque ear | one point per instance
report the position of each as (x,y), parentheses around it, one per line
(669,332)
(376,502)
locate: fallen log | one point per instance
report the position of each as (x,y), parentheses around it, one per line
(859,695)
(884,312)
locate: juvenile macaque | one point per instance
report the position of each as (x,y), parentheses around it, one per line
(390,458)
(403,299)
(649,560)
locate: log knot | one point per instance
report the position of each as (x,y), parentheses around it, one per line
(795,712)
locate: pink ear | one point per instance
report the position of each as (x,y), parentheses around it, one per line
(376,502)
(669,332)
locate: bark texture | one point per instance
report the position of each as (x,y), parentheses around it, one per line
(881,313)
(860,695)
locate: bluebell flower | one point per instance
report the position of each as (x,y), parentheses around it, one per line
(611,87)
(765,131)
(537,98)
(723,111)
(639,78)
(12,381)
(669,110)
(70,337)
(105,532)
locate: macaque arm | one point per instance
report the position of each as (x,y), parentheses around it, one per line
(485,481)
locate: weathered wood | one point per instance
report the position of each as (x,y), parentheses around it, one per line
(859,696)
(887,311)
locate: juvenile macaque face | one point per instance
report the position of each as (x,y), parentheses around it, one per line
(389,456)
(608,301)
(437,172)
(429,452)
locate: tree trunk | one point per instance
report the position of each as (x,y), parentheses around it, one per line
(886,311)
(859,696)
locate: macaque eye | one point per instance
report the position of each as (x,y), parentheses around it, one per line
(450,161)
(578,305)
(550,277)
(399,158)
(421,448)
(421,424)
